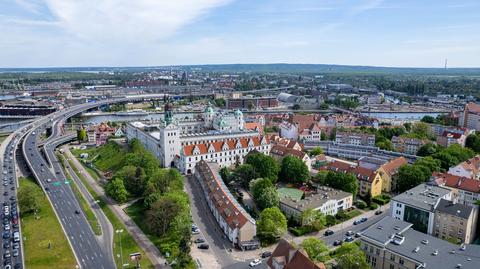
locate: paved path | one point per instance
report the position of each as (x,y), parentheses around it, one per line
(142,240)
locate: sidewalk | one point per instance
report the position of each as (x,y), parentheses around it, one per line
(142,240)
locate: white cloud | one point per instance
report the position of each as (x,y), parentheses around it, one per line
(128,20)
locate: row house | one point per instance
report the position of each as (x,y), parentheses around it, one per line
(233,220)
(279,152)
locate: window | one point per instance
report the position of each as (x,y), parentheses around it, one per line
(401,261)
(392,257)
(378,251)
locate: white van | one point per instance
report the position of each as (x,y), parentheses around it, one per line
(16,237)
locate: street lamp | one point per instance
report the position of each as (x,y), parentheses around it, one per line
(121,254)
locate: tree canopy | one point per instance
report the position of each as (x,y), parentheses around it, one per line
(116,189)
(263,165)
(271,225)
(316,249)
(293,170)
(349,256)
(345,182)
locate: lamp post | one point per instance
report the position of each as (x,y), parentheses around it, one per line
(121,254)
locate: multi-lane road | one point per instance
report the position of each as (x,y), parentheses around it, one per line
(11,251)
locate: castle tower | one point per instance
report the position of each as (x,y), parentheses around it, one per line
(239,119)
(208,115)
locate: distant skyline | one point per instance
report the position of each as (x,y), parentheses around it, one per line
(407,33)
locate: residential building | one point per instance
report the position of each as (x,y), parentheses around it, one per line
(310,134)
(447,139)
(470,117)
(279,152)
(234,221)
(339,167)
(284,142)
(286,256)
(455,221)
(354,138)
(465,190)
(369,181)
(394,244)
(251,102)
(389,173)
(418,205)
(407,145)
(469,168)
(324,199)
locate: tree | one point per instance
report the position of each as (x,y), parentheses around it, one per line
(164,180)
(473,142)
(410,176)
(323,136)
(133,178)
(315,248)
(408,126)
(271,225)
(333,134)
(28,198)
(349,256)
(422,130)
(226,175)
(432,164)
(428,119)
(345,182)
(268,197)
(321,177)
(82,135)
(264,166)
(117,190)
(313,219)
(244,174)
(259,184)
(385,145)
(316,151)
(428,149)
(164,211)
(294,170)
(220,102)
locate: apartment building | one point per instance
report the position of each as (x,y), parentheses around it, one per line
(394,244)
(470,117)
(233,220)
(464,190)
(454,221)
(279,152)
(469,168)
(407,145)
(355,138)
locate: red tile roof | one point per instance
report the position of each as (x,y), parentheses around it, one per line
(472,107)
(338,166)
(203,147)
(392,166)
(292,258)
(233,214)
(457,182)
(284,151)
(364,174)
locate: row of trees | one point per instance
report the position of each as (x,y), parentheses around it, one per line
(165,205)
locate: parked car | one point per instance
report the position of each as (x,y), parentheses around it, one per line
(349,239)
(328,232)
(196,231)
(363,219)
(357,235)
(378,212)
(266,254)
(199,240)
(337,243)
(356,222)
(203,246)
(255,262)
(349,233)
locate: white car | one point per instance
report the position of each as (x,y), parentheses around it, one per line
(255,262)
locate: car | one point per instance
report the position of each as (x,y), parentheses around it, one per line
(378,212)
(6,244)
(349,233)
(255,262)
(6,235)
(357,235)
(15,252)
(5,183)
(363,219)
(8,266)
(77,212)
(337,243)
(16,245)
(197,231)
(12,198)
(18,266)
(203,246)
(7,254)
(199,240)
(266,254)
(6,227)
(49,180)
(328,232)
(356,222)
(349,239)
(5,193)
(12,188)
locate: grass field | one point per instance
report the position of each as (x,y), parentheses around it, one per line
(38,233)
(128,243)
(108,157)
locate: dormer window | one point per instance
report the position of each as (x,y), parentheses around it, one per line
(196,150)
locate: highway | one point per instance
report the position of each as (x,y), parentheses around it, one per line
(89,251)
(11,251)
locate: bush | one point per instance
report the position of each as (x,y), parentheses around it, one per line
(331,220)
(381,199)
(373,206)
(299,231)
(361,204)
(341,215)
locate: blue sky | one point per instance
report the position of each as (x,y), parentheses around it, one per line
(40,33)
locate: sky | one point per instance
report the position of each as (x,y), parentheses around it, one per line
(401,33)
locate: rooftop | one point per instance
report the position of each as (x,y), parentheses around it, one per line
(423,196)
(454,209)
(425,249)
(314,200)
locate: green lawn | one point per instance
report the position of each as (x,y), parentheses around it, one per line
(38,233)
(353,213)
(128,243)
(109,157)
